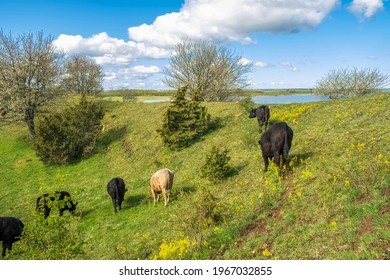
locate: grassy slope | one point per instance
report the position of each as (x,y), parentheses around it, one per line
(332,203)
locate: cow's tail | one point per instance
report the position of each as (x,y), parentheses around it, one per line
(286,149)
(117,191)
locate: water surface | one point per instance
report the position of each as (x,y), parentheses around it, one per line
(285,99)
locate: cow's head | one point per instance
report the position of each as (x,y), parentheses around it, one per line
(73,207)
(252,113)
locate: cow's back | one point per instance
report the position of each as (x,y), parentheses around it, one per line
(116,186)
(162,180)
(10,228)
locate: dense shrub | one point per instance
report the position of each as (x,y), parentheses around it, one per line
(203,212)
(64,137)
(216,167)
(184,121)
(54,238)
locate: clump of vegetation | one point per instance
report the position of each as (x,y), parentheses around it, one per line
(54,238)
(247,104)
(64,137)
(184,121)
(203,213)
(351,82)
(216,167)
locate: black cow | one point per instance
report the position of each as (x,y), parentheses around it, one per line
(276,142)
(61,199)
(10,231)
(116,189)
(262,113)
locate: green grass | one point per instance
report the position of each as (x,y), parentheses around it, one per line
(331,203)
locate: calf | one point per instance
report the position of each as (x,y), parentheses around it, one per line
(116,189)
(161,182)
(276,142)
(10,231)
(60,199)
(262,113)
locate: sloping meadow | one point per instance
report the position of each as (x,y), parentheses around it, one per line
(330,202)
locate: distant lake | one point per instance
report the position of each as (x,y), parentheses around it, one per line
(266,99)
(155,100)
(284,99)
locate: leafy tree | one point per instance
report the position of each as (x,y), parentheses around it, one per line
(83,76)
(214,71)
(184,121)
(30,68)
(351,82)
(64,137)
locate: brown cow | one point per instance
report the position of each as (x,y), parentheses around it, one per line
(161,182)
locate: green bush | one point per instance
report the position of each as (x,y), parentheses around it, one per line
(65,137)
(54,238)
(216,167)
(202,213)
(184,121)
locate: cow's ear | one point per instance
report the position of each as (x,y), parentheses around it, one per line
(125,190)
(76,203)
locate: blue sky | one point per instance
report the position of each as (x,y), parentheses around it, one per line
(292,43)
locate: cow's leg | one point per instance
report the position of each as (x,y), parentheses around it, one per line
(277,158)
(154,197)
(114,203)
(120,204)
(167,195)
(265,163)
(46,212)
(166,198)
(4,247)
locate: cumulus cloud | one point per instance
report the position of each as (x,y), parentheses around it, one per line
(232,20)
(221,20)
(107,50)
(135,77)
(365,8)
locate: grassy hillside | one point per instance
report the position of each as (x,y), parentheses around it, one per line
(332,202)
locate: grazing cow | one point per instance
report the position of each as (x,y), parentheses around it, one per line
(61,199)
(10,231)
(161,182)
(262,113)
(276,142)
(116,189)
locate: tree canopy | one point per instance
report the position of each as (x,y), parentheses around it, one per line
(30,68)
(216,72)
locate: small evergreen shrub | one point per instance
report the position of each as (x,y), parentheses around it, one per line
(184,121)
(216,166)
(64,137)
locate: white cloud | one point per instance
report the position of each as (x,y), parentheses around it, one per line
(245,61)
(232,20)
(141,69)
(262,64)
(222,20)
(134,77)
(107,50)
(365,8)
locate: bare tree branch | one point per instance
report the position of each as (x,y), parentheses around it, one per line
(214,71)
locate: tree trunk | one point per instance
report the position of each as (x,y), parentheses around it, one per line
(29,119)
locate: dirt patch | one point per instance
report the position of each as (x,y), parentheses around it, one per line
(366,227)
